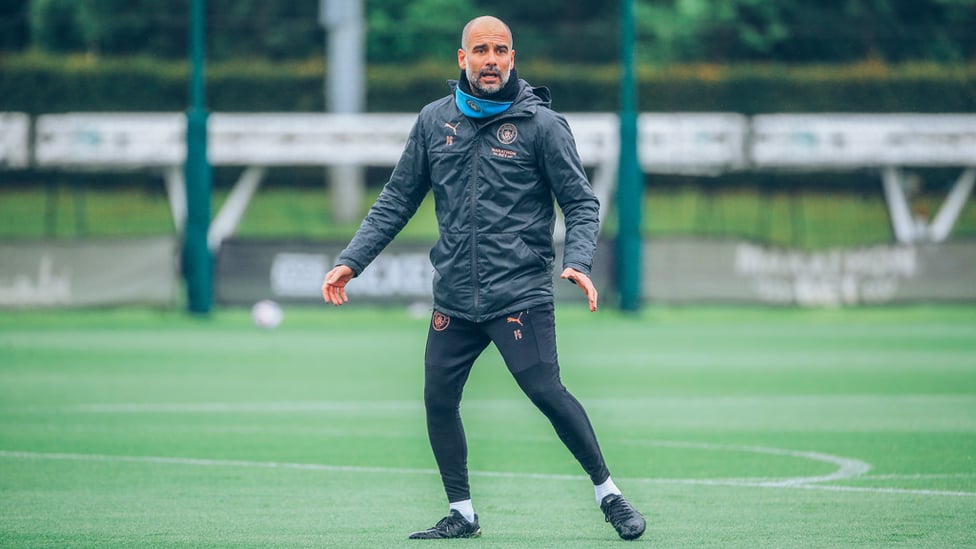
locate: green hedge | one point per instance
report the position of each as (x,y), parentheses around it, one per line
(42,84)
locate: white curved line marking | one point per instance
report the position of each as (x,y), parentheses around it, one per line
(217,463)
(920,476)
(759,483)
(237,407)
(846,467)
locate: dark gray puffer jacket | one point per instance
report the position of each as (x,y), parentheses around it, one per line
(494,181)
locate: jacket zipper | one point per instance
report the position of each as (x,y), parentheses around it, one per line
(473,195)
(479,138)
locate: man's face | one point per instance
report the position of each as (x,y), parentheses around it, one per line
(487,58)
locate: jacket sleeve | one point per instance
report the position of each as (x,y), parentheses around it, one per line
(581,208)
(396,204)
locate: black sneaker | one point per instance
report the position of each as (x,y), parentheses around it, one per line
(451,526)
(625,519)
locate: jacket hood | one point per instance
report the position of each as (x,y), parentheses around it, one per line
(541,92)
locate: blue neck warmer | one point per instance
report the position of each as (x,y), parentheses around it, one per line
(476,107)
(480,107)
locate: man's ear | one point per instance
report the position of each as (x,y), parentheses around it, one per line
(462,61)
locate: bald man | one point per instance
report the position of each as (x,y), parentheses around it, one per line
(494,155)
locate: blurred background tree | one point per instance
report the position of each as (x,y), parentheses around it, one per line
(109,27)
(718,31)
(408,30)
(807,30)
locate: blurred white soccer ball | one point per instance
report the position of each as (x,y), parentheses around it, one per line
(267,314)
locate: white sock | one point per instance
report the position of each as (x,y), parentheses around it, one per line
(605,489)
(465,508)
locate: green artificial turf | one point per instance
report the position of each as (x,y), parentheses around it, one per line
(726,427)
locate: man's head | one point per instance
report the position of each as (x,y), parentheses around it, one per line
(486,54)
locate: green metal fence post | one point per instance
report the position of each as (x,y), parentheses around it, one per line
(630,177)
(197,259)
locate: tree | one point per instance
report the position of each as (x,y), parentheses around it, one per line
(403,31)
(583,31)
(14,28)
(806,30)
(55,25)
(276,30)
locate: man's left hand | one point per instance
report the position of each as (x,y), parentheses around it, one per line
(584,284)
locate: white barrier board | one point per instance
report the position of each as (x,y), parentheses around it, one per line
(112,140)
(690,143)
(14,140)
(308,139)
(863,140)
(683,143)
(128,140)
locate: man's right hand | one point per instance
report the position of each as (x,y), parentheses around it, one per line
(334,286)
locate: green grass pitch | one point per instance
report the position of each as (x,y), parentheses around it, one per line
(727,427)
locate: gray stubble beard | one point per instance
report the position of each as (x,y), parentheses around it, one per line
(476,86)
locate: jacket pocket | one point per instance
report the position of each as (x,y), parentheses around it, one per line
(453,283)
(545,262)
(509,270)
(507,252)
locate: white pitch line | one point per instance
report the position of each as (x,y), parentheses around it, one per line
(847,467)
(743,483)
(248,407)
(740,483)
(162,460)
(909,491)
(918,476)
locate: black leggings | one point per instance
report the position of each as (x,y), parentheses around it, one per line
(527,343)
